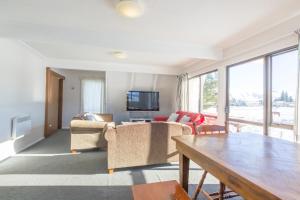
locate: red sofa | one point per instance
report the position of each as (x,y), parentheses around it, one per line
(196,118)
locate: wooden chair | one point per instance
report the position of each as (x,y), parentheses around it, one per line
(159,191)
(223,193)
(210,129)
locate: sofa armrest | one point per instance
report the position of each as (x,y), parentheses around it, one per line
(105,117)
(110,133)
(109,125)
(87,124)
(192,125)
(186,129)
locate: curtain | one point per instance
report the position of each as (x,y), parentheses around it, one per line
(182,97)
(297,120)
(92,95)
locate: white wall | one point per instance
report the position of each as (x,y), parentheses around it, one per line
(119,83)
(72,91)
(22,89)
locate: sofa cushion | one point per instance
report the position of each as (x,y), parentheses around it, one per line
(173,117)
(89,117)
(160,118)
(193,116)
(180,115)
(185,119)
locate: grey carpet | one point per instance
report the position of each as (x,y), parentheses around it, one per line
(47,171)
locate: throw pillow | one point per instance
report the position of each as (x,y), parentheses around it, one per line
(98,118)
(89,117)
(172,117)
(185,119)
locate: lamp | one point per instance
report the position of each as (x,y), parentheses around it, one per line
(130,8)
(119,54)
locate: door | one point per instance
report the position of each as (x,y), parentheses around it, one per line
(53,107)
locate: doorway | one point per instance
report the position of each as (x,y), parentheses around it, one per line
(54,102)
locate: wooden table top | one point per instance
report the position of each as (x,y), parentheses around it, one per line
(272,165)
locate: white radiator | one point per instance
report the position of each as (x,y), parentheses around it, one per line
(21,125)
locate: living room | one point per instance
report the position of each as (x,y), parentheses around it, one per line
(136,99)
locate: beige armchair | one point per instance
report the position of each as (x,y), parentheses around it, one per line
(141,144)
(87,134)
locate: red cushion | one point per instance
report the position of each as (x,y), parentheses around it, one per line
(195,118)
(160,118)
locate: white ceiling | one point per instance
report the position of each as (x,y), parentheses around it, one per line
(171,33)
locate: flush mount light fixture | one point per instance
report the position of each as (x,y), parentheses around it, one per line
(119,54)
(130,8)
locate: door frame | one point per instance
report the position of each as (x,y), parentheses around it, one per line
(61,78)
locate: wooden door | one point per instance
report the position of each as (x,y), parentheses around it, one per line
(53,107)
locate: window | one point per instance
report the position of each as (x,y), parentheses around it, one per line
(261,95)
(92,95)
(203,93)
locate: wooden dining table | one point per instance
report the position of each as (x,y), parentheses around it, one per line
(257,167)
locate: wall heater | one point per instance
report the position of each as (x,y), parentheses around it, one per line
(21,125)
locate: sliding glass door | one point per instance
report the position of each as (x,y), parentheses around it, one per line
(246,97)
(284,68)
(261,95)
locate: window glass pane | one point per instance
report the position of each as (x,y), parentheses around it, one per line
(194,91)
(284,86)
(235,127)
(209,93)
(246,91)
(92,95)
(281,133)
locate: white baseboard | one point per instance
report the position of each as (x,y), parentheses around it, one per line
(8,149)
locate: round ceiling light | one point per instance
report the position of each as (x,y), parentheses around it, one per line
(119,54)
(130,8)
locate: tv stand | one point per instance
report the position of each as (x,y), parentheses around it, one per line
(140,119)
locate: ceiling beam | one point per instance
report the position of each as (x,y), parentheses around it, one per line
(109,66)
(109,40)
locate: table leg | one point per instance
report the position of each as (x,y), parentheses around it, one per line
(184,165)
(222,190)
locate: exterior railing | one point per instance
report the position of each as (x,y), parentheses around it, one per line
(238,123)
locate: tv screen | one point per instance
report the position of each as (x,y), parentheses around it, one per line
(142,101)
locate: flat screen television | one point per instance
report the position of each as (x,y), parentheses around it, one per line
(142,101)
